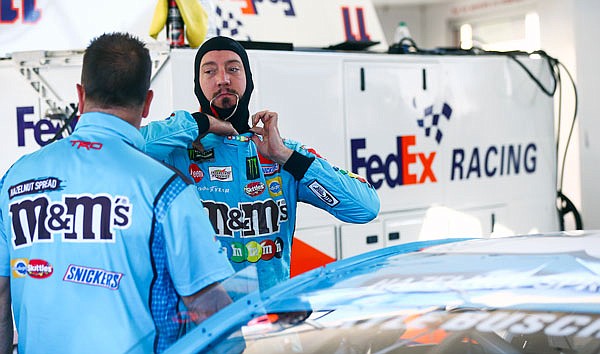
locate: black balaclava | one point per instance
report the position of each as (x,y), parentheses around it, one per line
(240,119)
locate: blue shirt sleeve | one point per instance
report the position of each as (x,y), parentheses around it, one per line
(343,194)
(4,244)
(162,137)
(195,256)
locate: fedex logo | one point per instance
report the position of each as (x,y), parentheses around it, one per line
(27,12)
(379,169)
(43,130)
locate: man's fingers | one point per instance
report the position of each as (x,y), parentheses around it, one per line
(257,130)
(198,145)
(263,116)
(220,127)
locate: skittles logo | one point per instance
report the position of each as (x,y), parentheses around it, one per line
(254,251)
(34,268)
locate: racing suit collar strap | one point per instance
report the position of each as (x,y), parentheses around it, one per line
(210,140)
(111,125)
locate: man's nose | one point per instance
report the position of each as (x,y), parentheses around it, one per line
(224,78)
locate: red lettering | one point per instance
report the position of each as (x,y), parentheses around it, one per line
(250,8)
(86,144)
(427,170)
(408,159)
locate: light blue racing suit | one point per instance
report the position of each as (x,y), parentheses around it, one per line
(251,201)
(98,239)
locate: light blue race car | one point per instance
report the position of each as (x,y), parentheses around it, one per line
(521,294)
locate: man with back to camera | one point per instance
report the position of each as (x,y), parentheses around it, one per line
(250,183)
(99,242)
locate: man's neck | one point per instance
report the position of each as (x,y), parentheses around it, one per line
(130,115)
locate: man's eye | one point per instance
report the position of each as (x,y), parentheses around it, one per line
(234,69)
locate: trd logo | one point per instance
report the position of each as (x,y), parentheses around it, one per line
(376,166)
(86,145)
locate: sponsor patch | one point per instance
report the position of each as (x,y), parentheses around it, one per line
(268,166)
(33,186)
(93,276)
(222,174)
(254,251)
(212,189)
(274,186)
(252,171)
(19,267)
(323,194)
(256,218)
(201,156)
(196,172)
(269,170)
(75,218)
(88,145)
(39,269)
(254,189)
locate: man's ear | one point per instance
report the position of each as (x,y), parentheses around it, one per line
(80,97)
(147,102)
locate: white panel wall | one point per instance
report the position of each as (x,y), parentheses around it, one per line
(587,27)
(568,32)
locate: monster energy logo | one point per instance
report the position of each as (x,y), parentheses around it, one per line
(199,156)
(252,169)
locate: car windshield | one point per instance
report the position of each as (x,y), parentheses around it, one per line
(454,298)
(417,331)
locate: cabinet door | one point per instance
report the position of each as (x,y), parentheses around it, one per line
(403,228)
(357,239)
(385,102)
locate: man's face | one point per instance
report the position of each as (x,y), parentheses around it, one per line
(221,76)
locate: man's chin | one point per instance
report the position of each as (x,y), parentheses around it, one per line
(226,103)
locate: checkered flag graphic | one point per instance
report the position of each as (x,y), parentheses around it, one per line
(228,25)
(431,120)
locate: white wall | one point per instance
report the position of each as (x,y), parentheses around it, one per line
(587,27)
(389,16)
(568,31)
(558,40)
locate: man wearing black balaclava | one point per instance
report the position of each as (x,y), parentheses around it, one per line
(236,112)
(248,177)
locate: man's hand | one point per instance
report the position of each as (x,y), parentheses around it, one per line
(220,127)
(206,302)
(271,145)
(215,126)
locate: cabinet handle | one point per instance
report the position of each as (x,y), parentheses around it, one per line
(372,239)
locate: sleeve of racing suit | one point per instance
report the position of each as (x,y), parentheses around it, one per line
(195,257)
(345,195)
(5,232)
(177,131)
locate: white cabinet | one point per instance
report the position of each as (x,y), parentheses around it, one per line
(357,239)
